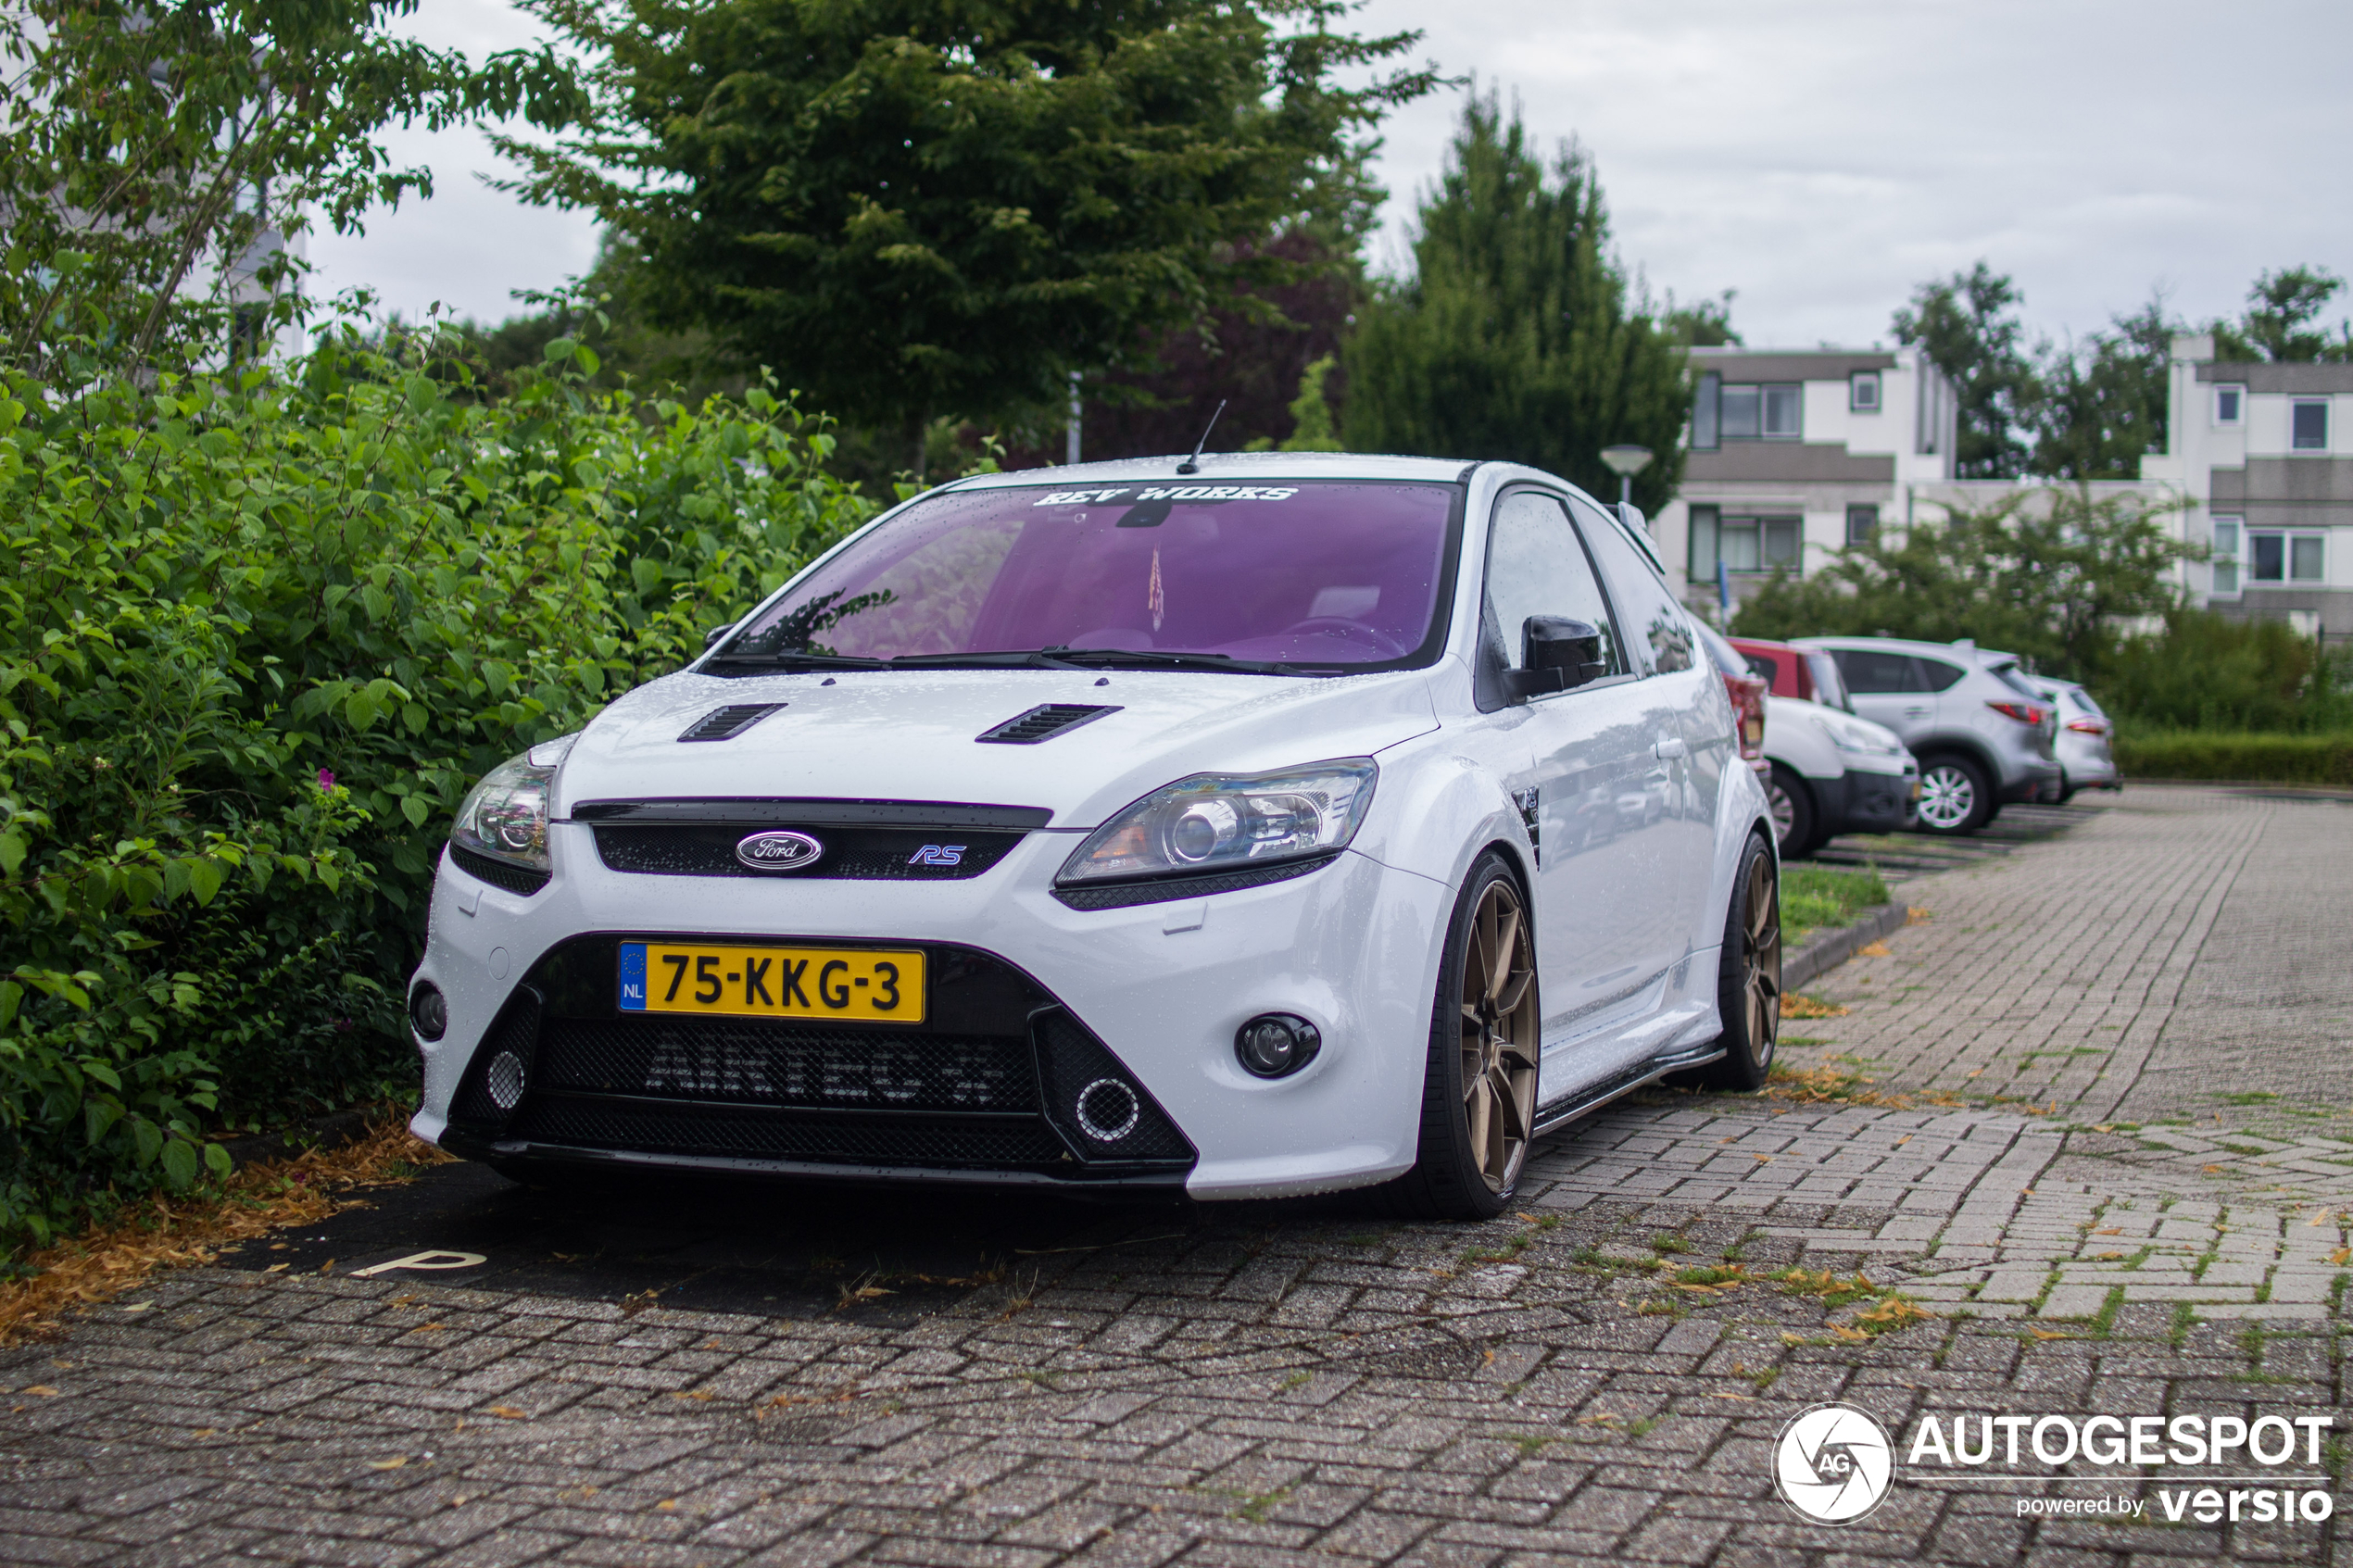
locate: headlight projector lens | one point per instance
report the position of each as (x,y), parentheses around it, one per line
(429,1010)
(1274,1045)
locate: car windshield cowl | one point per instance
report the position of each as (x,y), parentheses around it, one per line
(1058,658)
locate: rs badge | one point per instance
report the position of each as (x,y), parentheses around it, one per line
(938,855)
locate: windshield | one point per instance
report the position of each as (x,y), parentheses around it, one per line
(1319,574)
(1830,685)
(2008,675)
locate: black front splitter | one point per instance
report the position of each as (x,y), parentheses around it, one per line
(518,1156)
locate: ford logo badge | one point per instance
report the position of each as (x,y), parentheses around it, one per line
(779,850)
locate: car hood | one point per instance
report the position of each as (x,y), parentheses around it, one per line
(1832,721)
(911,735)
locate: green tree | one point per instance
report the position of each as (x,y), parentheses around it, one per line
(923,208)
(2053,575)
(1706,323)
(154,158)
(1519,337)
(2279,325)
(1967,325)
(2103,402)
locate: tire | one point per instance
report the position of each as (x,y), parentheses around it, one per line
(1479,1088)
(1795,820)
(1748,976)
(1955,795)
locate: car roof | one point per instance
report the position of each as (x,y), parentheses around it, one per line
(1245,468)
(1762,642)
(1968,654)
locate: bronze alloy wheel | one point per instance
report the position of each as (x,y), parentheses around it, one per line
(1761,958)
(1748,978)
(1500,1031)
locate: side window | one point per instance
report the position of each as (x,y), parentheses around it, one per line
(1871,672)
(1536,567)
(1941,674)
(1654,623)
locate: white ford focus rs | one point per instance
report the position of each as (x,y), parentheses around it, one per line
(1280,825)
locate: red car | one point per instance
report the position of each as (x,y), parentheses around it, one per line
(1747,691)
(1808,674)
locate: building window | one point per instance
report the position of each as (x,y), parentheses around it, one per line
(2230,405)
(2309,426)
(1744,543)
(1703,406)
(1862,524)
(2226,554)
(1758,413)
(1862,392)
(2287,558)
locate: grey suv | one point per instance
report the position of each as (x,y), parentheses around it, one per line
(1983,734)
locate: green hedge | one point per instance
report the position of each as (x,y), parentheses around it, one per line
(2245,758)
(259,634)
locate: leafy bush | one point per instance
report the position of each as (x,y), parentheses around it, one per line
(2204,672)
(259,634)
(2241,757)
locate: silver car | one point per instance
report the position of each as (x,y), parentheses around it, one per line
(2083,733)
(1983,735)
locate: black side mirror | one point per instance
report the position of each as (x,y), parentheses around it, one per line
(711,638)
(1558,655)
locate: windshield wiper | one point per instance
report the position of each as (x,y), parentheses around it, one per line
(800,658)
(1153,659)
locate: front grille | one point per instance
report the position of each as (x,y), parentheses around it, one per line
(859,854)
(1042,722)
(998,1076)
(746,1134)
(756,1061)
(514,879)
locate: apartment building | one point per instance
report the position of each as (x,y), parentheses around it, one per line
(2263,455)
(1797,453)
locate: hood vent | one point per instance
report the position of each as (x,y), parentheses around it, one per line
(726,723)
(1041,722)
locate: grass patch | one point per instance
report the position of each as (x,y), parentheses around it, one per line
(1814,897)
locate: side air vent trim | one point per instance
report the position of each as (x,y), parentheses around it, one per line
(1042,722)
(726,723)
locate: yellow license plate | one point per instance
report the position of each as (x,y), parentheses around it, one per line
(875,986)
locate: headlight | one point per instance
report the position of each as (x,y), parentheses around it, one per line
(1216,821)
(506,815)
(1862,742)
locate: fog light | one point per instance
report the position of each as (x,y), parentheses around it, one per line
(429,1010)
(504,1080)
(1275,1044)
(1108,1110)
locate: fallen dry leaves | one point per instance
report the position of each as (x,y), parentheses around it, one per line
(1795,1006)
(1873,950)
(168,1233)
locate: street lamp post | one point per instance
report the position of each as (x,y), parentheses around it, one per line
(1626,462)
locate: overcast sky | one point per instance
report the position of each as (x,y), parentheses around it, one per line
(1820,157)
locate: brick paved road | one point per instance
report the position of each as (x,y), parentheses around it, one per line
(2106,1141)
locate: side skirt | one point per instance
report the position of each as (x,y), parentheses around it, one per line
(1593,1097)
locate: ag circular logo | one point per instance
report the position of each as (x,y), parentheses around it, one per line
(779,849)
(1833,1463)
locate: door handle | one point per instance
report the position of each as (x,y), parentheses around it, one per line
(1916,713)
(1669,750)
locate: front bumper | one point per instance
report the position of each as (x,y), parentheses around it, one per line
(1025,994)
(1864,802)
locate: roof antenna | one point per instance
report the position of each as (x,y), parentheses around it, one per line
(1192,464)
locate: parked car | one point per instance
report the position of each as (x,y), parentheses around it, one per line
(1746,689)
(1829,772)
(1983,735)
(1304,823)
(2085,757)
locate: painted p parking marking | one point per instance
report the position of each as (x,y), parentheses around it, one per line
(437,1259)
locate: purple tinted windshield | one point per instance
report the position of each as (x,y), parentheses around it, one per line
(1318,573)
